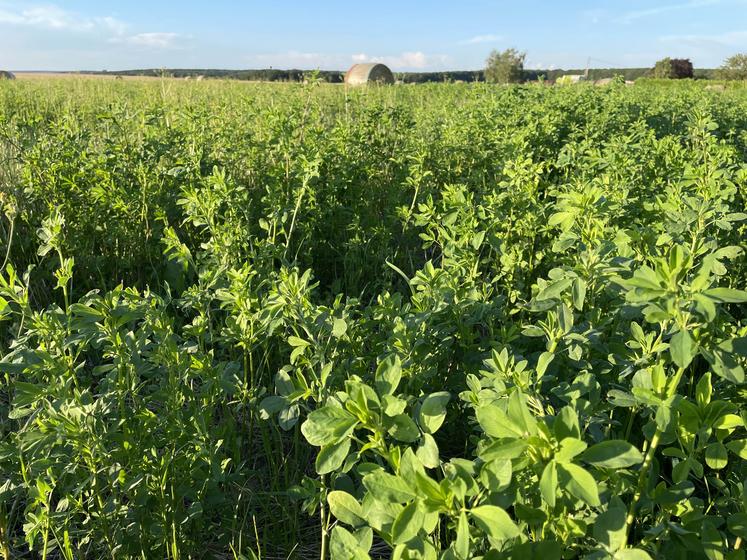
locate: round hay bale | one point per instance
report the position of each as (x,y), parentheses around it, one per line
(603,82)
(371,73)
(5,75)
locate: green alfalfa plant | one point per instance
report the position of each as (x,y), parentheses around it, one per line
(681,300)
(371,420)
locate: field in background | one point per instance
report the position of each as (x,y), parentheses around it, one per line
(450,321)
(75,75)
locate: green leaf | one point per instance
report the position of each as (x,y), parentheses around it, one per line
(737,524)
(724,364)
(404,429)
(496,423)
(328,425)
(578,482)
(428,452)
(364,536)
(579,293)
(461,544)
(408,523)
(549,484)
(544,361)
(566,424)
(716,456)
(388,488)
(504,449)
(554,289)
(713,544)
(569,448)
(727,295)
(738,447)
(705,306)
(344,546)
(609,527)
(331,457)
(704,390)
(519,413)
(632,554)
(612,454)
(433,411)
(346,508)
(681,349)
(532,331)
(339,328)
(495,522)
(728,422)
(297,342)
(388,375)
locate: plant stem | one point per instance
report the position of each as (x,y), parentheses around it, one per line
(644,472)
(323,519)
(295,213)
(4,534)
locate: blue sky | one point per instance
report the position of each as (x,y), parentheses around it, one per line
(332,34)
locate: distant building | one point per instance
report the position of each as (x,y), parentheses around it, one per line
(570,79)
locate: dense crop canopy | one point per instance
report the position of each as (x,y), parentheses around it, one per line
(438,322)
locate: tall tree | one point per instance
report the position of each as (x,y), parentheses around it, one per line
(734,68)
(673,68)
(505,67)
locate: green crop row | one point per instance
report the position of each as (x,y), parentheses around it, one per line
(443,322)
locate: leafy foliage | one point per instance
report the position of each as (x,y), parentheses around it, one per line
(451,321)
(506,67)
(734,68)
(673,68)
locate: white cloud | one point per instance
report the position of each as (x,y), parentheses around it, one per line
(407,60)
(634,15)
(728,39)
(479,39)
(53,17)
(594,16)
(152,40)
(297,59)
(416,60)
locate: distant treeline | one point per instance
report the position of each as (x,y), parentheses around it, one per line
(263,75)
(335,77)
(601,73)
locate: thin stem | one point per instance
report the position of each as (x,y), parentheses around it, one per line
(323,518)
(10,242)
(4,534)
(293,219)
(644,472)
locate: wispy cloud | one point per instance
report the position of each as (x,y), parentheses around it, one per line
(635,15)
(479,39)
(151,40)
(52,17)
(298,59)
(407,60)
(595,15)
(416,60)
(728,39)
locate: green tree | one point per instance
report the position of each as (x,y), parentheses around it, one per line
(734,68)
(505,67)
(673,68)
